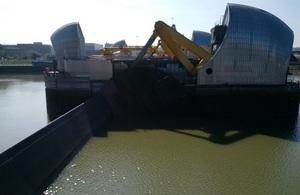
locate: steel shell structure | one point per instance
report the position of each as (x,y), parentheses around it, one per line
(68,42)
(255,50)
(201,38)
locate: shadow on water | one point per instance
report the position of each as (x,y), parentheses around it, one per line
(216,130)
(145,98)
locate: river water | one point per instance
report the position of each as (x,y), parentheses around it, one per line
(22,108)
(163,156)
(212,156)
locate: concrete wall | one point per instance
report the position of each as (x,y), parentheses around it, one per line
(30,166)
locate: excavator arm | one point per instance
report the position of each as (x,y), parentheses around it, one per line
(172,42)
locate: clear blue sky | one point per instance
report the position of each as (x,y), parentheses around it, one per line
(27,21)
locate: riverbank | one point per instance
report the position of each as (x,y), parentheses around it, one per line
(21,69)
(294,70)
(23,66)
(15,62)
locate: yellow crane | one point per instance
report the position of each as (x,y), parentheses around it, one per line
(109,52)
(173,43)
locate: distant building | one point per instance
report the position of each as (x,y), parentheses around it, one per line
(93,48)
(120,43)
(36,47)
(108,44)
(202,39)
(26,51)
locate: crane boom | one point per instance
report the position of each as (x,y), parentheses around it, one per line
(172,42)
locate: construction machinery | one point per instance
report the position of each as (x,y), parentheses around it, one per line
(175,45)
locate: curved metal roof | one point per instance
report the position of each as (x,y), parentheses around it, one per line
(68,41)
(120,43)
(201,38)
(255,50)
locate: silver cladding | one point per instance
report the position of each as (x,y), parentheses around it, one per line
(255,50)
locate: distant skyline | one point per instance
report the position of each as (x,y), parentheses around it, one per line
(112,20)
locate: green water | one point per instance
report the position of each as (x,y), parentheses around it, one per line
(215,156)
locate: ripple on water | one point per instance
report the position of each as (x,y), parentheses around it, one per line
(164,162)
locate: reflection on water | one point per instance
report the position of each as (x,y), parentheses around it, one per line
(187,156)
(22,108)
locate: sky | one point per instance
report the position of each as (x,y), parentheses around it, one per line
(102,21)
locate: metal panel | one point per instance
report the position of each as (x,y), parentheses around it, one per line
(68,43)
(201,38)
(255,50)
(94,69)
